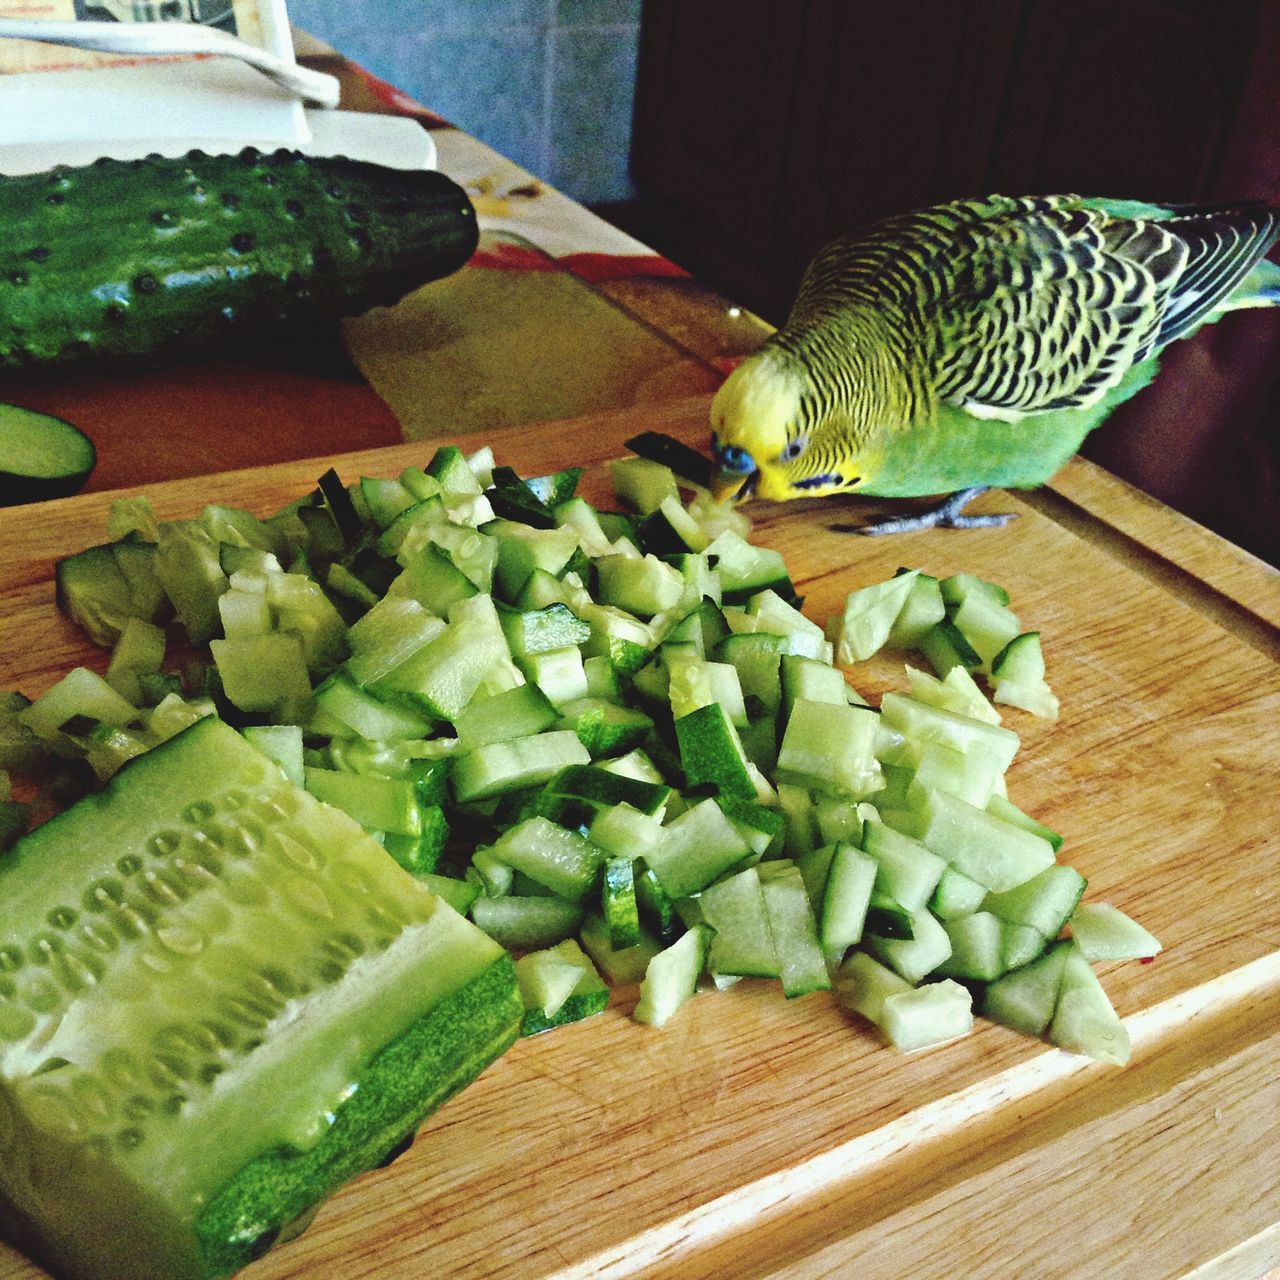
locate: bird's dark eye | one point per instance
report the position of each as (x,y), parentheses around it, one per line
(794,449)
(731,457)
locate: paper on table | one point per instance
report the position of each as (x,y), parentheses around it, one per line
(513,337)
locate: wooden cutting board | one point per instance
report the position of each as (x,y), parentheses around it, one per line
(755,1136)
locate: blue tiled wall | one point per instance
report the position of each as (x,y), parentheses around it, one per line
(549,83)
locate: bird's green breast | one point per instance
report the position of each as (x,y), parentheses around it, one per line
(952,449)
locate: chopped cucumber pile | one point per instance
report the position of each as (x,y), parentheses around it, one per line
(961,624)
(614,741)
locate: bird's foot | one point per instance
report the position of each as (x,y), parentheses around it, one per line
(948,514)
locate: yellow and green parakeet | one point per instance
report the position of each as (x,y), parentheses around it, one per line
(975,344)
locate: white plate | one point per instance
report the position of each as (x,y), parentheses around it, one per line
(73,117)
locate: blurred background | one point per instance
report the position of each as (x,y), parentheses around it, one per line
(737,136)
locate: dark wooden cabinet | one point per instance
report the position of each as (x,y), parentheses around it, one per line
(764,128)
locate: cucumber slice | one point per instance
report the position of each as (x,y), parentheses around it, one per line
(40,456)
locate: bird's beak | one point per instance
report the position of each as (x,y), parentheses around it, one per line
(726,485)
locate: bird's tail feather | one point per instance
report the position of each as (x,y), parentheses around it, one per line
(1260,288)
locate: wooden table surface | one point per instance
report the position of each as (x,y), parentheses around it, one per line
(757,1137)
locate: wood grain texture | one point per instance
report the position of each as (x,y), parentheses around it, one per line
(754,1136)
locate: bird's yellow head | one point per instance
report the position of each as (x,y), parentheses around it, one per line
(761,424)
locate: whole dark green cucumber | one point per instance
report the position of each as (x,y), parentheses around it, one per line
(128,258)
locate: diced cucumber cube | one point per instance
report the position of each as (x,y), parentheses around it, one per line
(624,966)
(830,748)
(624,830)
(526,923)
(138,652)
(927,1015)
(697,847)
(1103,932)
(1020,945)
(563,861)
(644,485)
(916,957)
(906,871)
(811,679)
(862,984)
(918,723)
(538,630)
(1024,999)
(710,752)
(1084,1020)
(671,977)
(743,942)
(923,608)
(869,615)
(1045,902)
(802,967)
(265,673)
(977,943)
(946,649)
(956,895)
(987,849)
(1001,807)
(618,902)
(604,728)
(510,766)
(987,626)
(515,713)
(845,898)
(957,692)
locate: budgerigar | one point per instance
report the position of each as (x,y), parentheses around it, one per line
(975,344)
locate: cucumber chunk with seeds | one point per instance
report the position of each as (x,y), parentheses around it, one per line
(352,1024)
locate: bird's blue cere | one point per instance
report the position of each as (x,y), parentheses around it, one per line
(731,457)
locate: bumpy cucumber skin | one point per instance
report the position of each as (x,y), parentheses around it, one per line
(423,1065)
(124,259)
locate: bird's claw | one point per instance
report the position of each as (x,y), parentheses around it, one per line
(948,514)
